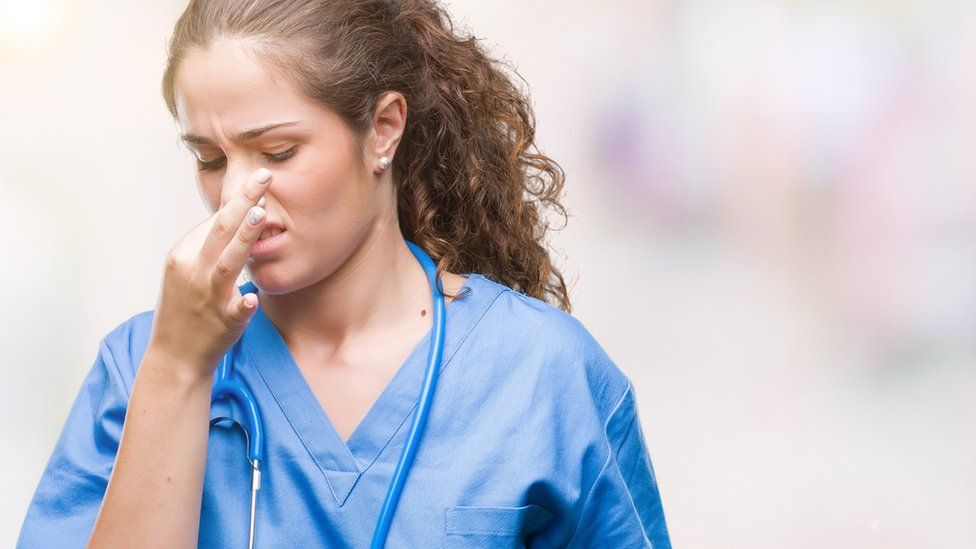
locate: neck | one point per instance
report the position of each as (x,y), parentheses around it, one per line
(377,290)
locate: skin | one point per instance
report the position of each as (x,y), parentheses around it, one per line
(349,298)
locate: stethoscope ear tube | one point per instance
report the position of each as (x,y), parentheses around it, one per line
(253,431)
(252,416)
(254,463)
(426,397)
(253,425)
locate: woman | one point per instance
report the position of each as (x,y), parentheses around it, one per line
(351,127)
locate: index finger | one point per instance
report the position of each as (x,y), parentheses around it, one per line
(229,217)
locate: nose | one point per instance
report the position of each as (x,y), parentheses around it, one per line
(234,181)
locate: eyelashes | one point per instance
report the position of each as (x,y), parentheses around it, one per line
(272,158)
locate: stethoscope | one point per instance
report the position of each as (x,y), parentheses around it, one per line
(253,426)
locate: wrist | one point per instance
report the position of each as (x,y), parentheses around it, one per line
(170,367)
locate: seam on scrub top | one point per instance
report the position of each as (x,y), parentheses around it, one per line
(630,498)
(645,452)
(328,482)
(443,367)
(247,349)
(114,369)
(129,327)
(527,524)
(623,438)
(315,460)
(605,464)
(583,341)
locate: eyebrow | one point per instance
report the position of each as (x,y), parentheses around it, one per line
(243,136)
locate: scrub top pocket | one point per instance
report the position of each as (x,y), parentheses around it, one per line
(482,526)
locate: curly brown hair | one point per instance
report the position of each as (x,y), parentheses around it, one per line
(470,190)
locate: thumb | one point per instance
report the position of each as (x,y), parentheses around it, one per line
(243,307)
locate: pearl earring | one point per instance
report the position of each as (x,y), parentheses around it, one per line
(384,162)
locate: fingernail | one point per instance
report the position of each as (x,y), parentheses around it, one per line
(263,175)
(261,202)
(256,215)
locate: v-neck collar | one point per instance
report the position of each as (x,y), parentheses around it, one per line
(343,463)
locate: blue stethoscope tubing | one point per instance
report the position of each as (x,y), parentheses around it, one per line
(253,425)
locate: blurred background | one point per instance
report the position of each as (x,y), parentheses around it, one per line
(773,216)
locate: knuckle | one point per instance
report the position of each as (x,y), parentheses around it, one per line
(250,194)
(244,237)
(220,228)
(175,260)
(223,270)
(172,262)
(230,322)
(229,318)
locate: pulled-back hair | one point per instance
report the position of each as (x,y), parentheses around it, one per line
(469,189)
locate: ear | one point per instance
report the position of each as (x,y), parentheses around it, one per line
(388,123)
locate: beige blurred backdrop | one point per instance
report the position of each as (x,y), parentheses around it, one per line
(772,234)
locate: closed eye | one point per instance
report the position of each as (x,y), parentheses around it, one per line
(272,158)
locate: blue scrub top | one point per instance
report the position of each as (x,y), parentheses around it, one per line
(533,440)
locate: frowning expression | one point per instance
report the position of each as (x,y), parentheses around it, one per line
(237,117)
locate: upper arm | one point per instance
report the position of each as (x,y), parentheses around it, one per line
(623,507)
(65,504)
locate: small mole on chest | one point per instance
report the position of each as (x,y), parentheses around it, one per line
(423,312)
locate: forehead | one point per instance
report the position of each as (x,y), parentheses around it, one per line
(225,88)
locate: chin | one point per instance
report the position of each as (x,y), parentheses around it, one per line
(272,278)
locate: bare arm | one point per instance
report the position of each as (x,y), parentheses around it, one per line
(153,496)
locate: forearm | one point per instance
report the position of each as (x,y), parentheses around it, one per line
(154,492)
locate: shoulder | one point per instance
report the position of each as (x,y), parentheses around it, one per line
(122,348)
(555,346)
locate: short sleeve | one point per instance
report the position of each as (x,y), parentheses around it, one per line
(623,507)
(64,507)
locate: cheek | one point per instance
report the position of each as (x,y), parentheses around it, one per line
(328,199)
(209,189)
(328,181)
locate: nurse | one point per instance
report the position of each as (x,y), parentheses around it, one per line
(326,135)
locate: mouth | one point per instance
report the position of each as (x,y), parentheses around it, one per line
(269,232)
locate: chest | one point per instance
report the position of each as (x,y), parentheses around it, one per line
(484,458)
(470,491)
(346,395)
(348,388)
